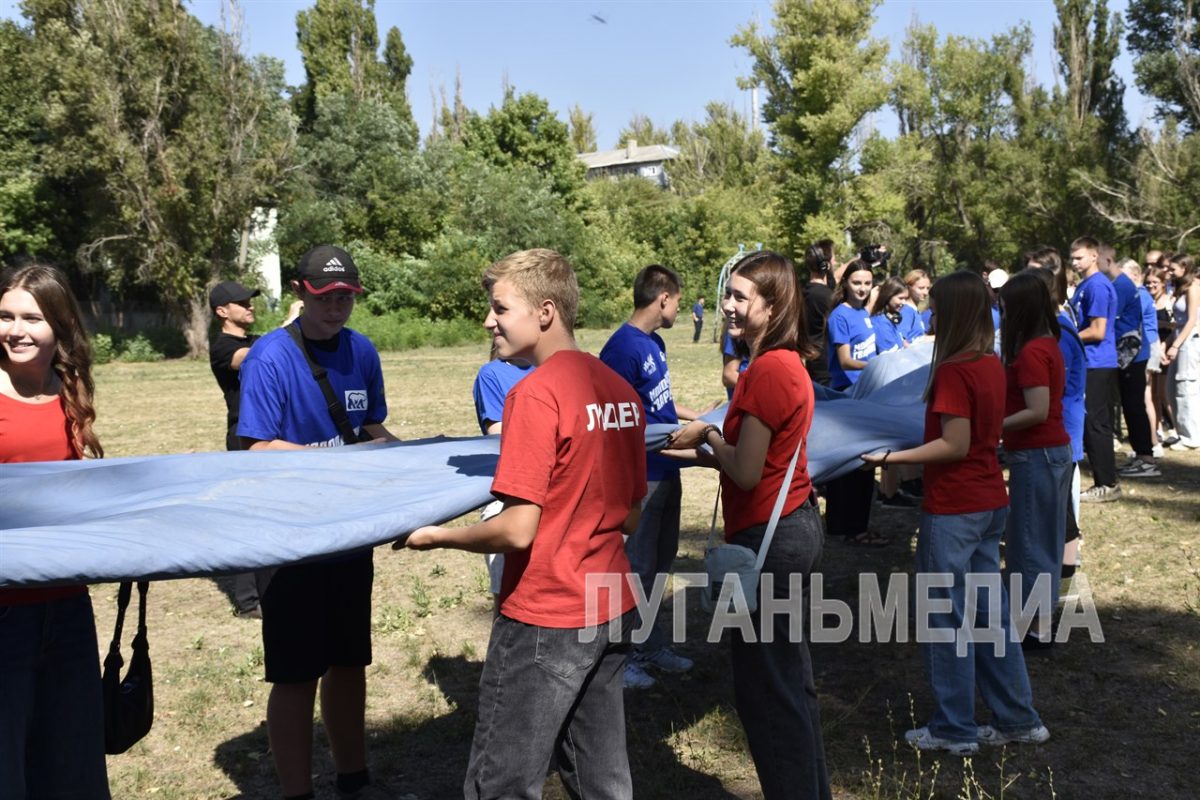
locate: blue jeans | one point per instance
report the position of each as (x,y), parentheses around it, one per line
(773,684)
(653,547)
(954,545)
(51,711)
(552,692)
(1039,488)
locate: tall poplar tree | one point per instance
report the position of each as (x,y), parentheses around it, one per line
(823,74)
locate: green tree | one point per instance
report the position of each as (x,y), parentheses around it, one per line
(641,129)
(359,182)
(720,150)
(954,99)
(339,43)
(822,73)
(583,130)
(24,209)
(1088,42)
(524,131)
(167,136)
(1165,37)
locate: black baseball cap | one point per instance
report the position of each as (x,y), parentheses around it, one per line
(230,292)
(326,268)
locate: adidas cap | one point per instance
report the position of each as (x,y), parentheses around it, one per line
(327,268)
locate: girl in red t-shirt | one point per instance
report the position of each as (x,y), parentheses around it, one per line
(962,520)
(1037,447)
(767,420)
(51,711)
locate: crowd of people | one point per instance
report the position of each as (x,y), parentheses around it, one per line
(1026,368)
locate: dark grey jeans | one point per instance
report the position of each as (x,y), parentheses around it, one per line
(548,692)
(773,683)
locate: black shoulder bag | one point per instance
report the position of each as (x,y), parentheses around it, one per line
(336,410)
(128,702)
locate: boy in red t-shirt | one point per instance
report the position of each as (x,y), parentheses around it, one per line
(572,473)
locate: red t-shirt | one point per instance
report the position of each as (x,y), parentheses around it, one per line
(975,390)
(34,432)
(573,442)
(776,390)
(1040,363)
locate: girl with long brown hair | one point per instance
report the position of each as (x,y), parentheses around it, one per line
(766,426)
(51,712)
(962,520)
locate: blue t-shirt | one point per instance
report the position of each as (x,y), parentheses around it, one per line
(698,310)
(1076,381)
(729,348)
(491,387)
(1095,297)
(996,329)
(641,359)
(926,317)
(1129,307)
(1149,323)
(849,326)
(911,326)
(888,334)
(280,399)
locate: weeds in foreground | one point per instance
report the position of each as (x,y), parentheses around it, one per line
(895,778)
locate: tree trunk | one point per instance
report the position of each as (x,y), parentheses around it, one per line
(195,328)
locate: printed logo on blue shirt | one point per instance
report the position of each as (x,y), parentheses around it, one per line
(648,366)
(356,399)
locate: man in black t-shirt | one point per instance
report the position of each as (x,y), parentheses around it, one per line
(232,304)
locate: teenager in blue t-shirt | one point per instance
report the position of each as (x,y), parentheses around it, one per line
(317,615)
(735,357)
(1133,351)
(637,353)
(851,335)
(892,318)
(1095,307)
(492,384)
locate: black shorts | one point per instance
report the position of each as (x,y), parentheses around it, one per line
(317,616)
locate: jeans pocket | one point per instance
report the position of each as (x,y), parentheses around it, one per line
(1059,457)
(1016,456)
(561,653)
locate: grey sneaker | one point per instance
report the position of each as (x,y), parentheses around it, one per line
(1100,494)
(922,739)
(665,659)
(636,676)
(1137,468)
(990,736)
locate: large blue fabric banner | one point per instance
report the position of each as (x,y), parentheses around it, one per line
(210,513)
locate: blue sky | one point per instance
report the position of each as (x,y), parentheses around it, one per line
(662,59)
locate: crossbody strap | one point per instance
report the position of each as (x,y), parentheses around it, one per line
(337,411)
(776,512)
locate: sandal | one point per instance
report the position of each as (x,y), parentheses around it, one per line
(868,539)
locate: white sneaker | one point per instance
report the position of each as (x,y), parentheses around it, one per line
(922,739)
(1157,451)
(1100,494)
(990,736)
(636,677)
(665,659)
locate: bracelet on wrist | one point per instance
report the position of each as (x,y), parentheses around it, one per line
(711,429)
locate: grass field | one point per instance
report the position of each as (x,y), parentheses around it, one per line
(1125,713)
